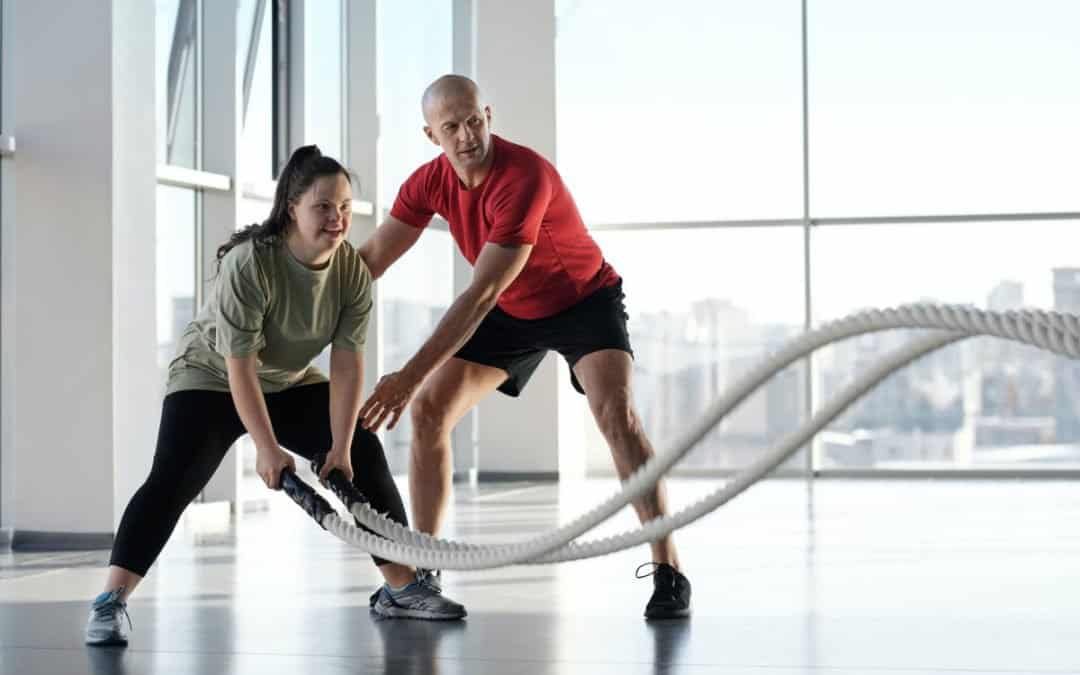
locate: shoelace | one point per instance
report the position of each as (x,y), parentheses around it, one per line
(665,591)
(654,570)
(429,579)
(106,610)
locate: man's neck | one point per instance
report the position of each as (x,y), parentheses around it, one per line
(473,178)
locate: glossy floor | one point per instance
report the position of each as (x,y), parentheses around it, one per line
(853,577)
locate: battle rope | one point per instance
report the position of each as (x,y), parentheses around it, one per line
(1055,332)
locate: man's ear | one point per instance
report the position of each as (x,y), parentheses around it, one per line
(430,135)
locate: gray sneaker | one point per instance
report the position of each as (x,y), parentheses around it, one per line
(105,626)
(422,599)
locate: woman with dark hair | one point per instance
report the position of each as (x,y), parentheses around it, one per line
(285,289)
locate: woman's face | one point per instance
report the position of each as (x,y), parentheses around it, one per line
(320,219)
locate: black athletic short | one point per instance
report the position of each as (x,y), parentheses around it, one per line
(519,345)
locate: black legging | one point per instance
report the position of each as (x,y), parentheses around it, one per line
(197,428)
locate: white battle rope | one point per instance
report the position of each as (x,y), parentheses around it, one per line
(1055,332)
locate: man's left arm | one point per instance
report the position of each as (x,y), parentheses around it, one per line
(496,268)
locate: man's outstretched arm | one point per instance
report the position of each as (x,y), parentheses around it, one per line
(496,268)
(389,243)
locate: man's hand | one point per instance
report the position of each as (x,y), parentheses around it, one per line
(391,395)
(269,462)
(337,459)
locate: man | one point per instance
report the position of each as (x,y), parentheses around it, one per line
(540,282)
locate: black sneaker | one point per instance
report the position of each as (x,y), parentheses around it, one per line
(671,592)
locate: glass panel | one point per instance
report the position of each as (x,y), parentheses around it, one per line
(981,403)
(323,76)
(176,84)
(690,113)
(702,313)
(177,220)
(416,292)
(406,68)
(943,107)
(256,138)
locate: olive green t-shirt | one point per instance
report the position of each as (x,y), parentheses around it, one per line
(266,302)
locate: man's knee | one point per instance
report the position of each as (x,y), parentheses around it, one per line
(429,418)
(616,417)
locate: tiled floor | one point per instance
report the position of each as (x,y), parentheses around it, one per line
(877,577)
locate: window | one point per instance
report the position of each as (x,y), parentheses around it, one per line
(416,292)
(177,96)
(406,68)
(686,114)
(705,306)
(983,403)
(926,107)
(178,61)
(323,76)
(177,220)
(256,137)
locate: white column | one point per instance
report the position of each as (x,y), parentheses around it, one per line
(221,101)
(137,408)
(361,144)
(7,191)
(465,438)
(78,335)
(513,48)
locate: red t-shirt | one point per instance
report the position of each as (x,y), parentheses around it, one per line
(521,201)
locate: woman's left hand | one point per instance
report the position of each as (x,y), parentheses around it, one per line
(337,459)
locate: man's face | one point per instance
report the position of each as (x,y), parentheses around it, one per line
(462,128)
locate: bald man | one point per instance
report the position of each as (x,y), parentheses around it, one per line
(539,282)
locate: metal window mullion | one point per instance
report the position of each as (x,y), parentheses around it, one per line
(179,176)
(832,222)
(297,74)
(343,65)
(220,104)
(252,54)
(808,379)
(948,218)
(360,133)
(279,84)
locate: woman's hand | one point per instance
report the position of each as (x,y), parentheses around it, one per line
(337,459)
(269,463)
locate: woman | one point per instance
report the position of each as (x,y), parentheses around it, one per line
(285,289)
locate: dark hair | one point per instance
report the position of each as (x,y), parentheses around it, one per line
(306,164)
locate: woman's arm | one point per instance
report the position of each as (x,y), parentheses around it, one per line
(251,406)
(346,385)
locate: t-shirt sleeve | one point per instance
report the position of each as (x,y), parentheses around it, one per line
(351,332)
(242,305)
(413,203)
(519,208)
